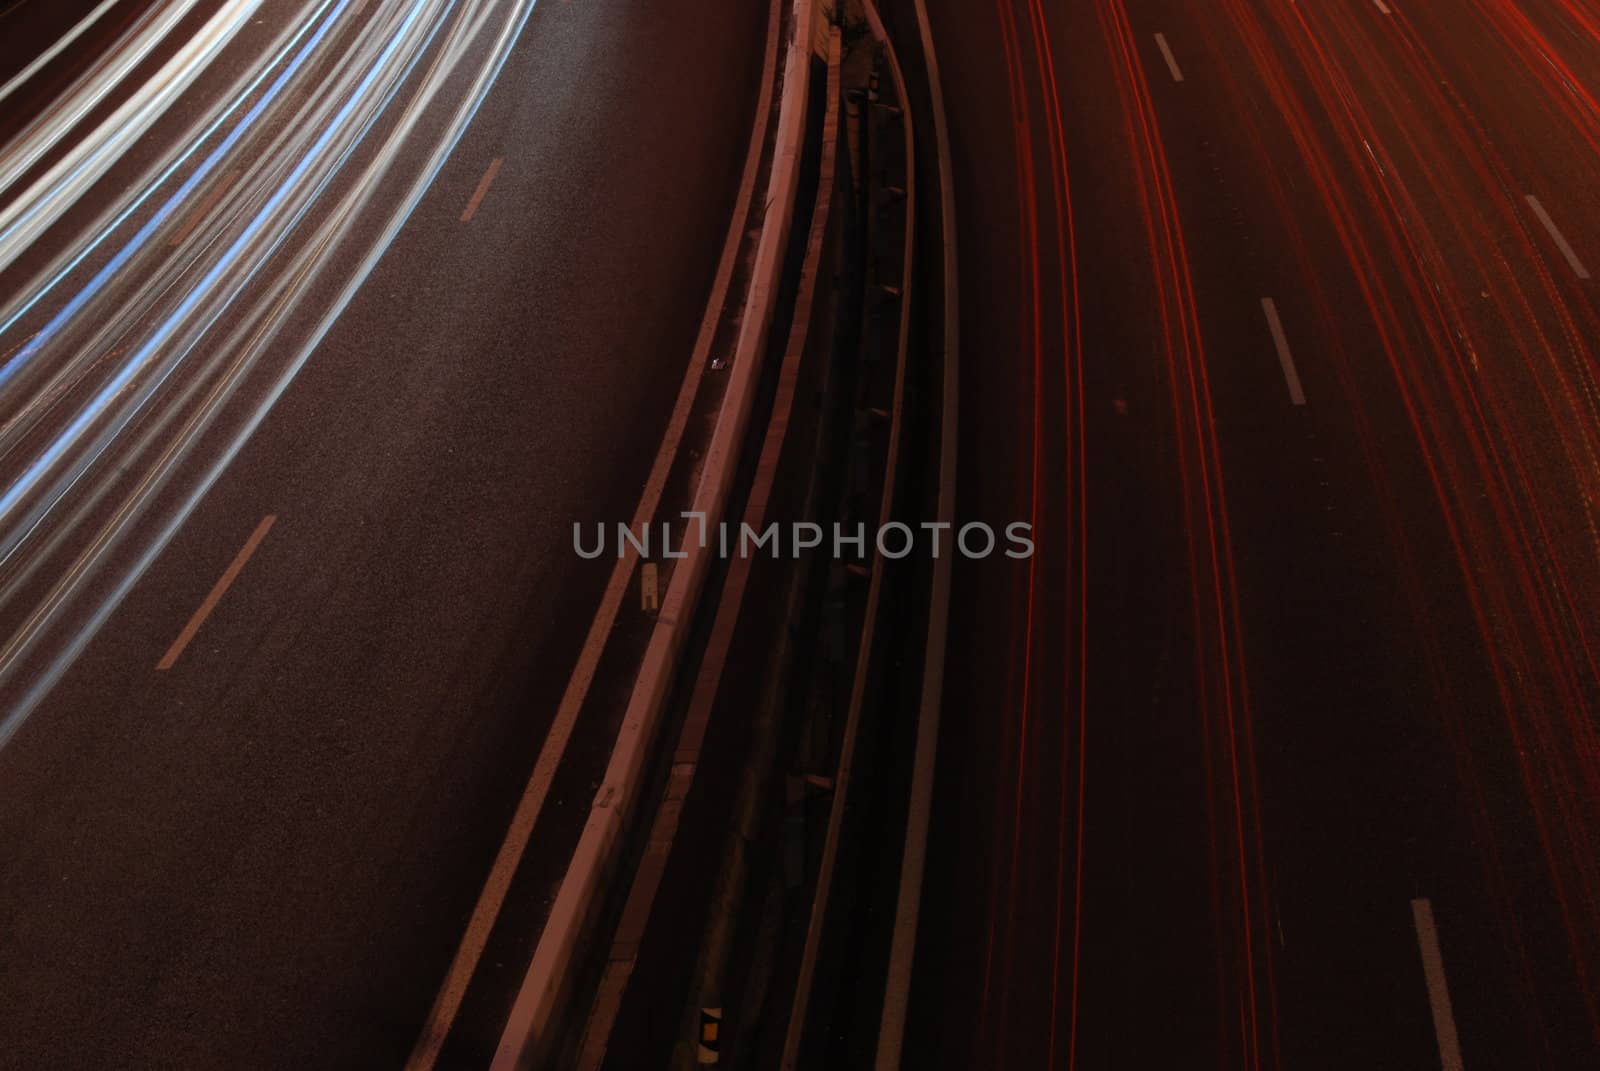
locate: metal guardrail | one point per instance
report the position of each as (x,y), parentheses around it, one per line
(531,1025)
(758,612)
(875,408)
(788,484)
(902,951)
(900,293)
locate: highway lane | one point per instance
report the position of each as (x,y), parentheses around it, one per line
(1282,753)
(259,847)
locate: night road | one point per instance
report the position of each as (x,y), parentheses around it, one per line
(331,329)
(1278,325)
(257,844)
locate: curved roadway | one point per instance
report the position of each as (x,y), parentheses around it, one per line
(1280,325)
(309,371)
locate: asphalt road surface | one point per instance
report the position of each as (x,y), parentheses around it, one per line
(1278,324)
(306,379)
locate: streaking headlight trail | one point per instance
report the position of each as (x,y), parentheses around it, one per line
(150,347)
